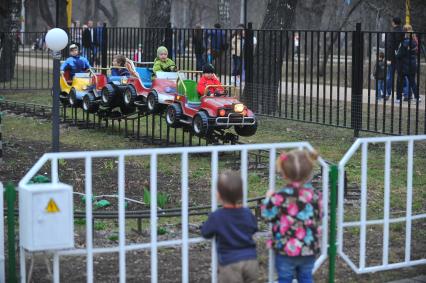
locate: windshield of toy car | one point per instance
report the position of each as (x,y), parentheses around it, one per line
(166,75)
(82,75)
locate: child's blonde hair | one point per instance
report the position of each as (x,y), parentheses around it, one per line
(408,28)
(296,165)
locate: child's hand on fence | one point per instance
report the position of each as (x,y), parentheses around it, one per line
(269,193)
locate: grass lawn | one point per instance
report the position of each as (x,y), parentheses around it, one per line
(332,143)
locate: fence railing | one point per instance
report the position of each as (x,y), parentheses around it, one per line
(365,219)
(184,240)
(322,77)
(2,257)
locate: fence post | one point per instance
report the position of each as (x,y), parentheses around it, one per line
(248,64)
(2,257)
(357,79)
(104,48)
(332,246)
(1,135)
(10,200)
(168,40)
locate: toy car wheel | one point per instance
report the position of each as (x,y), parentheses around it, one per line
(200,124)
(108,93)
(89,103)
(173,115)
(246,131)
(152,102)
(129,96)
(72,98)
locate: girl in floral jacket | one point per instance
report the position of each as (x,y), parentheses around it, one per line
(295,214)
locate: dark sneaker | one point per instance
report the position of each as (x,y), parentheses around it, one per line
(406,99)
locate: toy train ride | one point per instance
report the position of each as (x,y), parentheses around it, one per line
(171,92)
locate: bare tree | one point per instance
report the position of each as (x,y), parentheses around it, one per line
(260,96)
(223,13)
(158,18)
(160,13)
(111,15)
(9,37)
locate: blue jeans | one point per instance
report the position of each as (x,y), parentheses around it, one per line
(389,78)
(288,265)
(380,89)
(236,65)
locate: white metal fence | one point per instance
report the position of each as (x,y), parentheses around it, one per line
(363,223)
(2,258)
(185,240)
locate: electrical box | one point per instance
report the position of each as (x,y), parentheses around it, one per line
(46,217)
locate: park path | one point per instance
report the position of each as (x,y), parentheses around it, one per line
(335,93)
(317,91)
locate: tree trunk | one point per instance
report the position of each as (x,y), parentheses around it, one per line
(262,85)
(160,13)
(158,18)
(45,13)
(9,40)
(223,13)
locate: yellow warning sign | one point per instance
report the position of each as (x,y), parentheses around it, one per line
(52,207)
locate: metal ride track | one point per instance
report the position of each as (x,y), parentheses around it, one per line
(140,126)
(149,129)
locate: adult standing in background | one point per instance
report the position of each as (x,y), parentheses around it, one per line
(97,50)
(237,45)
(393,42)
(217,40)
(89,41)
(199,46)
(406,56)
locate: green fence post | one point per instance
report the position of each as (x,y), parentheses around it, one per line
(332,247)
(10,200)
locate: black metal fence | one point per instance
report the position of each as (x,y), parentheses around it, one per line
(323,77)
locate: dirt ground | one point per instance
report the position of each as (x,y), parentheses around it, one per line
(20,155)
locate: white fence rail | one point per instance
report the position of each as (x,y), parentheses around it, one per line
(185,240)
(363,222)
(2,258)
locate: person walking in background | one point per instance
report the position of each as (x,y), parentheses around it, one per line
(237,45)
(86,42)
(393,42)
(380,75)
(198,44)
(89,41)
(295,213)
(97,45)
(217,41)
(406,57)
(137,57)
(234,227)
(296,44)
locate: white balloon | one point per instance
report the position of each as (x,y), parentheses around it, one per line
(56,39)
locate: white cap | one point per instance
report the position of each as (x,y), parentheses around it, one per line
(73,46)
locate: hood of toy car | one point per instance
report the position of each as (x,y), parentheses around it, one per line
(219,102)
(81,84)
